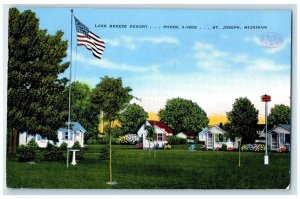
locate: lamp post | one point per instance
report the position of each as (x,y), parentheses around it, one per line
(266,98)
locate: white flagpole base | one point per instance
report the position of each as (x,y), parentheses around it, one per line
(112,183)
(266,159)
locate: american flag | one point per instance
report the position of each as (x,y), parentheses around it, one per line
(88,39)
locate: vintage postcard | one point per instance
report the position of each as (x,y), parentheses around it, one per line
(168,99)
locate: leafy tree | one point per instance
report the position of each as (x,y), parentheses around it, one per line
(280,114)
(150,136)
(82,110)
(132,118)
(110,97)
(183,115)
(243,119)
(37,102)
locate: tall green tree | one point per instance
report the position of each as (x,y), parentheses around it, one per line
(150,137)
(133,118)
(110,97)
(280,114)
(243,119)
(183,115)
(37,102)
(82,110)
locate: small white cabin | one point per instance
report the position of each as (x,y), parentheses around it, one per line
(76,134)
(279,136)
(162,131)
(215,138)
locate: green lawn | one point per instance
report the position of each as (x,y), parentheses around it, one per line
(169,169)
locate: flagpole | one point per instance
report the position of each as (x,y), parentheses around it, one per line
(69,114)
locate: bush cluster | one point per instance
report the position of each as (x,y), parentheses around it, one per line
(167,146)
(253,147)
(224,147)
(31,152)
(175,140)
(104,152)
(139,145)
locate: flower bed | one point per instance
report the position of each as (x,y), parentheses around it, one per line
(282,149)
(253,147)
(139,145)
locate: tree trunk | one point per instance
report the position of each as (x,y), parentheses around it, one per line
(10,141)
(149,148)
(13,133)
(153,149)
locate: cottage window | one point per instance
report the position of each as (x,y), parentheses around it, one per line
(217,137)
(38,137)
(159,137)
(281,137)
(66,136)
(221,138)
(287,138)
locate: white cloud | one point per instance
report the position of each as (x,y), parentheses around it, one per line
(224,36)
(254,40)
(132,43)
(265,65)
(210,58)
(126,41)
(158,40)
(104,63)
(215,94)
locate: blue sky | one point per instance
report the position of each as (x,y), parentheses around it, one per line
(209,66)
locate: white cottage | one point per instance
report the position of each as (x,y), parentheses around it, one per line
(279,136)
(161,130)
(202,135)
(76,134)
(215,137)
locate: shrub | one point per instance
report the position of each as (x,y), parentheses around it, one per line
(175,140)
(79,154)
(253,147)
(224,147)
(258,147)
(282,149)
(53,153)
(32,144)
(217,149)
(122,140)
(139,145)
(104,152)
(132,138)
(203,147)
(63,146)
(230,149)
(26,153)
(244,147)
(76,145)
(50,146)
(94,140)
(167,146)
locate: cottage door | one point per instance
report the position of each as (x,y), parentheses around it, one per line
(209,141)
(274,141)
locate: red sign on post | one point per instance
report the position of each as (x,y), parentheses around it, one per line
(266,98)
